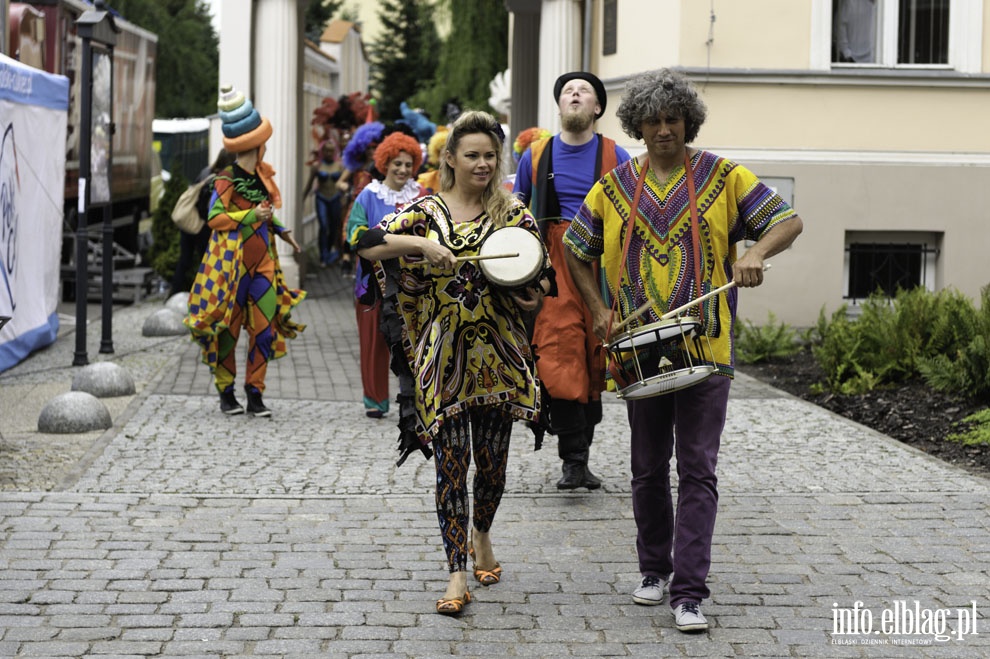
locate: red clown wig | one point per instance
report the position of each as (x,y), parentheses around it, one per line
(392,146)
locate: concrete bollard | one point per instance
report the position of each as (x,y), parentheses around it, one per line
(104,380)
(74,412)
(178,303)
(164,322)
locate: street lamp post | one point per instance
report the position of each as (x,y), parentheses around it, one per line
(95,27)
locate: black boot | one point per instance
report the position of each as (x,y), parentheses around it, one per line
(228,402)
(255,405)
(574,449)
(590,481)
(573,477)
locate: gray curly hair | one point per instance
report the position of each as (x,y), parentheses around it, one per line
(663,90)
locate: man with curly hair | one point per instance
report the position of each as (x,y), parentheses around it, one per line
(655,254)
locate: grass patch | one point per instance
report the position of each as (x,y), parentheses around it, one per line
(976,430)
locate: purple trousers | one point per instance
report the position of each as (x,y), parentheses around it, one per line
(688,422)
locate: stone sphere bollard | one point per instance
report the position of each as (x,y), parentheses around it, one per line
(164,322)
(178,303)
(104,380)
(74,412)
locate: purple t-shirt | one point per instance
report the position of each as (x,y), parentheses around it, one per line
(573,173)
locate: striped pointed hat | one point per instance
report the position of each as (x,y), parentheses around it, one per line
(243,127)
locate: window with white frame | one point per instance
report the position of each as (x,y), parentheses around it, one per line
(905,33)
(887,261)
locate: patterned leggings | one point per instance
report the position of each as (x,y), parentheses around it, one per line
(486,430)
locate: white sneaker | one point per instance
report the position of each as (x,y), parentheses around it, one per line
(649,592)
(688,618)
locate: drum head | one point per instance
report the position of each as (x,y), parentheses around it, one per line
(665,330)
(515,271)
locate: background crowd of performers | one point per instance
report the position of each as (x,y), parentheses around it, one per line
(406,207)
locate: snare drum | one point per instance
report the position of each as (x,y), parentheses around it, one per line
(660,358)
(514,272)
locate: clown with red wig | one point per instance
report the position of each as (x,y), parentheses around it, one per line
(398,157)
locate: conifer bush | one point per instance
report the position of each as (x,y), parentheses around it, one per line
(961,365)
(938,337)
(164,251)
(763,343)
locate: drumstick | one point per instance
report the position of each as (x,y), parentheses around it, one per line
(484,257)
(674,312)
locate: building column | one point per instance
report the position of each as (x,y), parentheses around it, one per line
(277,55)
(524,57)
(236,20)
(560,52)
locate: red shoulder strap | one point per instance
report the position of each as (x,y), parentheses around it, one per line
(537,150)
(607,160)
(630,226)
(693,200)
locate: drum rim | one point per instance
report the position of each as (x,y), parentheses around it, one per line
(706,371)
(684,321)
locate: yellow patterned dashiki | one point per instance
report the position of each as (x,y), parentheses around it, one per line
(464,339)
(733,205)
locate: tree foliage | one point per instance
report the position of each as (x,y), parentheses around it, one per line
(476,50)
(188,54)
(318,14)
(404,58)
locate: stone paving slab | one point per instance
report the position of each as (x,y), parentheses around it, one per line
(183,533)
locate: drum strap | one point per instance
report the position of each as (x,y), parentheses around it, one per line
(630,226)
(695,222)
(634,213)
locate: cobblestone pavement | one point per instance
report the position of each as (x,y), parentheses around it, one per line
(183,533)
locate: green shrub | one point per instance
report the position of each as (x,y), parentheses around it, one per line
(961,364)
(838,352)
(938,336)
(756,344)
(164,251)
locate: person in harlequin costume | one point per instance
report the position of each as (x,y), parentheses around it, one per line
(240,283)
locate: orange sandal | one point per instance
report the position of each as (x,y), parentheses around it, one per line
(454,605)
(488,577)
(485,577)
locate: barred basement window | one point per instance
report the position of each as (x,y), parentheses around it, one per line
(886,267)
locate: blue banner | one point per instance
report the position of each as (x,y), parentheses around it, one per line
(29,86)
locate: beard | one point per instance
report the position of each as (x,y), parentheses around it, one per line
(576,121)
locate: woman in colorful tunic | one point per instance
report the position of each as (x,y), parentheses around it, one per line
(671,259)
(398,157)
(240,282)
(464,339)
